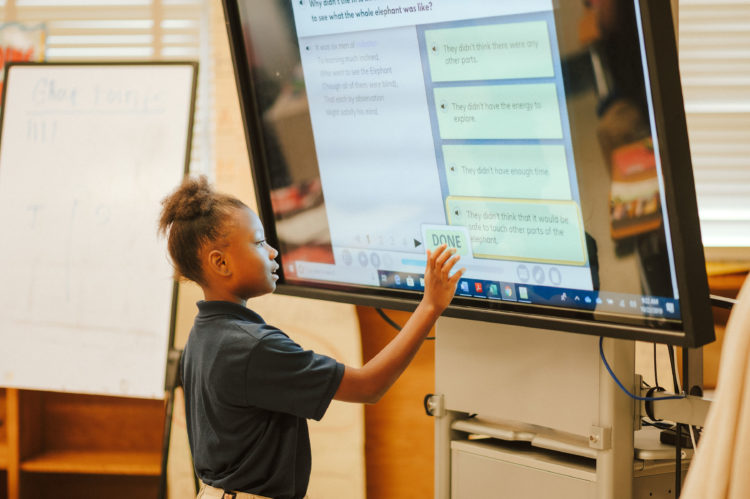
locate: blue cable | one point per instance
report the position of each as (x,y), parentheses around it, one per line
(636,397)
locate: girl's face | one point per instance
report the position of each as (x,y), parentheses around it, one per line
(250,257)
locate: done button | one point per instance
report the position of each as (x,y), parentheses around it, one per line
(454,236)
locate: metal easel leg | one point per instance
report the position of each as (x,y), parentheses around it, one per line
(172,381)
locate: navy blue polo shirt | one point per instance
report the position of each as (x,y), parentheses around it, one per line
(249,390)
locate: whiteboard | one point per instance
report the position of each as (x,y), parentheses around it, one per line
(87,153)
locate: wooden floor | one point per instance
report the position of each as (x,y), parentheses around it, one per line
(399,445)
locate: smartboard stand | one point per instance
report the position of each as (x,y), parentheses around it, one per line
(523,412)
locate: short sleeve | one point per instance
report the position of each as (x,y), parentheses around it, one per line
(283,377)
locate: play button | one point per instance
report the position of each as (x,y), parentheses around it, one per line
(417,244)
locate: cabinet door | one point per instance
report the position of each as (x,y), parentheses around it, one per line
(477,472)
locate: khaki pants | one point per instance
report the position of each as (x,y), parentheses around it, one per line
(208,492)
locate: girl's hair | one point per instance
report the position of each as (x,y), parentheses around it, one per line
(193,215)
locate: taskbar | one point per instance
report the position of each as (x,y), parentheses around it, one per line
(599,301)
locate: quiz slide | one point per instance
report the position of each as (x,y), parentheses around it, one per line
(447,122)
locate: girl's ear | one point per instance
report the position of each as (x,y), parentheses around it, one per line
(217,263)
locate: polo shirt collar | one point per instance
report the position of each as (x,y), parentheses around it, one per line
(212,308)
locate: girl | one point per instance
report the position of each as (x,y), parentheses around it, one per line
(249,389)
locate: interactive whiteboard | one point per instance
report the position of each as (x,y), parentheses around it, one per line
(87,152)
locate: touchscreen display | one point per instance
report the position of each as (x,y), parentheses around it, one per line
(520,133)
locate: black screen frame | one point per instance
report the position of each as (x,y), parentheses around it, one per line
(679,192)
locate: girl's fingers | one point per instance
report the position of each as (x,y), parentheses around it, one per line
(455,277)
(448,265)
(432,258)
(444,255)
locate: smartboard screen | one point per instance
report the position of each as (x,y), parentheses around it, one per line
(544,141)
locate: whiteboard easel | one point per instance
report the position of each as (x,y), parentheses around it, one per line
(87,152)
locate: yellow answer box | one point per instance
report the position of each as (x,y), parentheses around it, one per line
(522,230)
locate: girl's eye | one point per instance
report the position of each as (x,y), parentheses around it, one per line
(260,243)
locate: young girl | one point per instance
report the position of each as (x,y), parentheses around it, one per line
(249,389)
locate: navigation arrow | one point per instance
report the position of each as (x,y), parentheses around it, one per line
(417,244)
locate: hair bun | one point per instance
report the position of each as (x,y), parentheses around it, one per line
(193,199)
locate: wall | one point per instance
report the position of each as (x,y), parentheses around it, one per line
(399,436)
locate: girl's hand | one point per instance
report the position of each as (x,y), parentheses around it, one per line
(439,286)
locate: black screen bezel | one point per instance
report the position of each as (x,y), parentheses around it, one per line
(679,192)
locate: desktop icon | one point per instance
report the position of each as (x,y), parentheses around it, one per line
(421,281)
(587,299)
(397,279)
(478,287)
(506,290)
(523,293)
(384,278)
(564,297)
(492,291)
(670,307)
(465,286)
(410,281)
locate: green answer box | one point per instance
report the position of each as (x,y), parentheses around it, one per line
(513,111)
(507,171)
(522,230)
(491,52)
